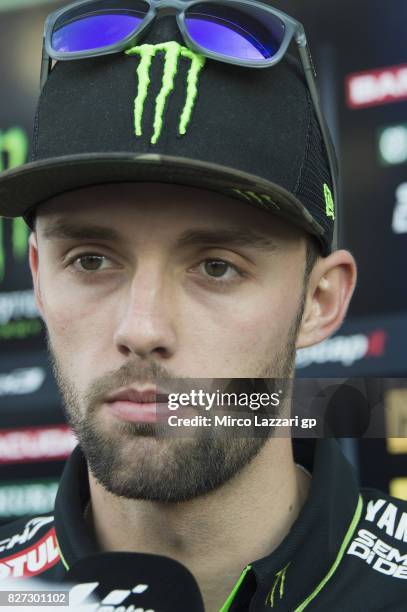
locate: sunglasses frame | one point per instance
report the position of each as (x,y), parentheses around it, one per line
(293,30)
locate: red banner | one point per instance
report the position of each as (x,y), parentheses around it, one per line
(377,87)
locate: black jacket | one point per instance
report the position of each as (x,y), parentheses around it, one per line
(346,551)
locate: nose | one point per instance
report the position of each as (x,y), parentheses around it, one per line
(146,318)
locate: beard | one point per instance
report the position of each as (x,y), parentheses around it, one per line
(146,461)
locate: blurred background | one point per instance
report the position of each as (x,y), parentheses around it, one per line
(360,51)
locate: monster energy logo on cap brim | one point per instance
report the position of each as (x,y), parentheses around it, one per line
(173,51)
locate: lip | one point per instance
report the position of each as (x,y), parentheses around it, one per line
(132,394)
(137,405)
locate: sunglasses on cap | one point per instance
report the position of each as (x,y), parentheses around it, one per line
(241,32)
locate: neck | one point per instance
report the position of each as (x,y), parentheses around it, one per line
(214,536)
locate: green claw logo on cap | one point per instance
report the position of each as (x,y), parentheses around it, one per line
(329,201)
(173,51)
(261,199)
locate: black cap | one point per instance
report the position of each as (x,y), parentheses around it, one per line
(247,133)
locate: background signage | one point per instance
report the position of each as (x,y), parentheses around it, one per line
(376,87)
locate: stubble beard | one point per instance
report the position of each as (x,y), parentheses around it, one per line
(143,461)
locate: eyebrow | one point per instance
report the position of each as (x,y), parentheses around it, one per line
(234,237)
(228,237)
(69,231)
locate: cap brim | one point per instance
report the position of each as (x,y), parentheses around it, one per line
(23,188)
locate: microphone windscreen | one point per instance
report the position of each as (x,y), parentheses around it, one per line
(133,581)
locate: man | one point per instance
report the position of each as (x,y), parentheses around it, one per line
(182,221)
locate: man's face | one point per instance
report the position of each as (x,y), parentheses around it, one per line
(144,283)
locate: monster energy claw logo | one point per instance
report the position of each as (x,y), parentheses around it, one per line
(279,581)
(329,201)
(19,243)
(14,146)
(13,153)
(173,51)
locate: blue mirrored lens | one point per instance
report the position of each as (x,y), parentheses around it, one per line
(239,32)
(94,26)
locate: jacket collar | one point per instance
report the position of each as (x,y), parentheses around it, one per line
(303,558)
(308,553)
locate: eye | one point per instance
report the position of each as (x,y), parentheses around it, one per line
(90,262)
(220,269)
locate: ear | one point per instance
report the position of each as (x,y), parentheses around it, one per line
(34,267)
(330,288)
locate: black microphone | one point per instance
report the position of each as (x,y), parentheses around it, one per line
(132,581)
